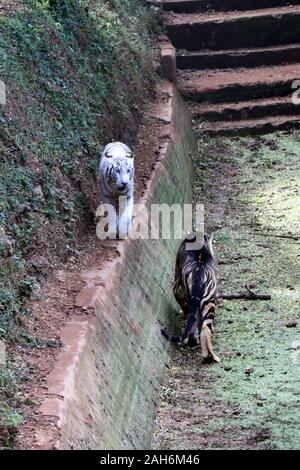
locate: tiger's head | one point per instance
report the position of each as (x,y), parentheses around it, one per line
(117,168)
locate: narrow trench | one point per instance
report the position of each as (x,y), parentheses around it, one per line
(251,191)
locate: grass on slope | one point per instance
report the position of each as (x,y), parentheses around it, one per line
(77,74)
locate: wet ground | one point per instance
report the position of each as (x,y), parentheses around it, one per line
(251,400)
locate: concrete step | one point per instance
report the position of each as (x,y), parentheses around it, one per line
(254,109)
(249,126)
(191,6)
(234,58)
(219,31)
(238,84)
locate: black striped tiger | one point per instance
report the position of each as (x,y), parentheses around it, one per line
(195,289)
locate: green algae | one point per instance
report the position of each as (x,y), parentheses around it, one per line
(251,191)
(261,229)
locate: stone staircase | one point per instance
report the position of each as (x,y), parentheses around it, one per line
(237,61)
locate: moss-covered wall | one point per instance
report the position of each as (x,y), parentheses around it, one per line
(124,359)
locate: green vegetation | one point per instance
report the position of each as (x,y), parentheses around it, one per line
(250,188)
(77,74)
(9,419)
(261,231)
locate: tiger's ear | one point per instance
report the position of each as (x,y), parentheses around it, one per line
(208,237)
(108,155)
(210,243)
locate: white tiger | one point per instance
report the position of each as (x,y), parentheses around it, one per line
(116,171)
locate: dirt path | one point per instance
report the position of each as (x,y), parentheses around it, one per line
(8,9)
(251,191)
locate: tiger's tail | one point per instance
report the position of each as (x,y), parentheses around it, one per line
(198,287)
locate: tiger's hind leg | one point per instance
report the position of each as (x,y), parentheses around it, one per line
(196,334)
(194,338)
(206,343)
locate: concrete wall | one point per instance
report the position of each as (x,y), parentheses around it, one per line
(108,387)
